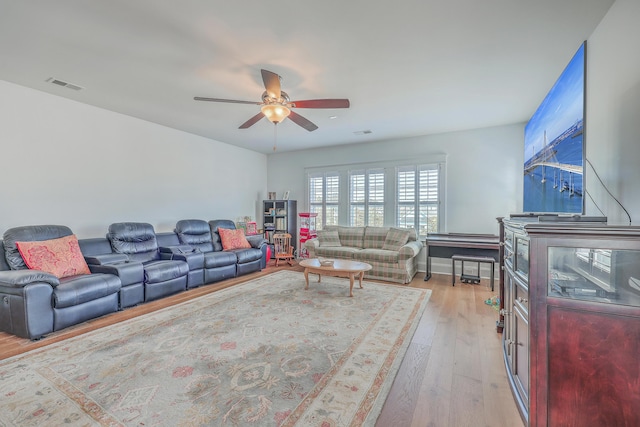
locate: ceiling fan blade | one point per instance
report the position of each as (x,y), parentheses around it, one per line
(321,103)
(252,121)
(271,83)
(231,101)
(301,121)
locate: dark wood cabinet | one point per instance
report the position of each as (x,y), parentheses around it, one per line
(571,335)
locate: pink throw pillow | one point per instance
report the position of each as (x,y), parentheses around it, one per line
(233,239)
(61,257)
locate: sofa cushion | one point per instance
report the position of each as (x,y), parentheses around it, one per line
(233,239)
(136,239)
(351,236)
(80,289)
(247,255)
(328,238)
(163,270)
(342,252)
(376,255)
(219,259)
(61,257)
(396,238)
(374,237)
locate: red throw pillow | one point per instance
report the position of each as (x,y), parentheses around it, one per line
(61,257)
(233,239)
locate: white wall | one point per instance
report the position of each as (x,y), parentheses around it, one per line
(483,174)
(484,171)
(64,162)
(613,113)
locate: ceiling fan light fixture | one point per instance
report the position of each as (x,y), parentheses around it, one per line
(276,113)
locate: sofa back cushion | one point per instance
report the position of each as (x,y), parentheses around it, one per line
(215,236)
(328,238)
(29,233)
(374,237)
(351,236)
(167,239)
(137,240)
(195,233)
(93,246)
(397,238)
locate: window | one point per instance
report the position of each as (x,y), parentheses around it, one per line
(418,198)
(379,194)
(324,197)
(366,198)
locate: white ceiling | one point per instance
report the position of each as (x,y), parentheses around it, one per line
(409,67)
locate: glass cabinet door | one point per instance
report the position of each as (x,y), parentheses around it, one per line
(522,257)
(600,275)
(508,248)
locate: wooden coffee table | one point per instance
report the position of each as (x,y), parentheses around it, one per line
(340,268)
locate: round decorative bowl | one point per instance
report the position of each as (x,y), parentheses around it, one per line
(326,262)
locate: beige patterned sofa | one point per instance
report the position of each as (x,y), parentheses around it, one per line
(391,251)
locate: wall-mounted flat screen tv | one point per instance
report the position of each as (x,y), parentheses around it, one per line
(554,145)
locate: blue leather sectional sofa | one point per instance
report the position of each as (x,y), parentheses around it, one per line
(131,265)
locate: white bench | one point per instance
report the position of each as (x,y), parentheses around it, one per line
(466,277)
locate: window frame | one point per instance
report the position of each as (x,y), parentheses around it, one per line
(390,204)
(323,206)
(366,203)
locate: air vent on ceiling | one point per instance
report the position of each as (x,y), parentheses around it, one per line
(363,132)
(63,84)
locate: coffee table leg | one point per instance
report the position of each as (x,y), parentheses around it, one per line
(351,280)
(361,276)
(306,277)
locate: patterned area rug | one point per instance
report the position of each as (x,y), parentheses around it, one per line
(263,353)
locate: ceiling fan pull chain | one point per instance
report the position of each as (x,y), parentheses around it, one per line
(275,136)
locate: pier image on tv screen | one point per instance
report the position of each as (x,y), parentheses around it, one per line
(554,145)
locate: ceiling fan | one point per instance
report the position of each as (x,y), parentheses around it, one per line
(277,106)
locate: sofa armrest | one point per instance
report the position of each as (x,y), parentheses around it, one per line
(178,250)
(106,259)
(256,241)
(311,245)
(27,297)
(410,250)
(22,278)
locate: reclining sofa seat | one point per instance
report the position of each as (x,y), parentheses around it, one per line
(249,260)
(34,303)
(138,241)
(219,264)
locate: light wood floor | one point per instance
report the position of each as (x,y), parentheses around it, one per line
(452,375)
